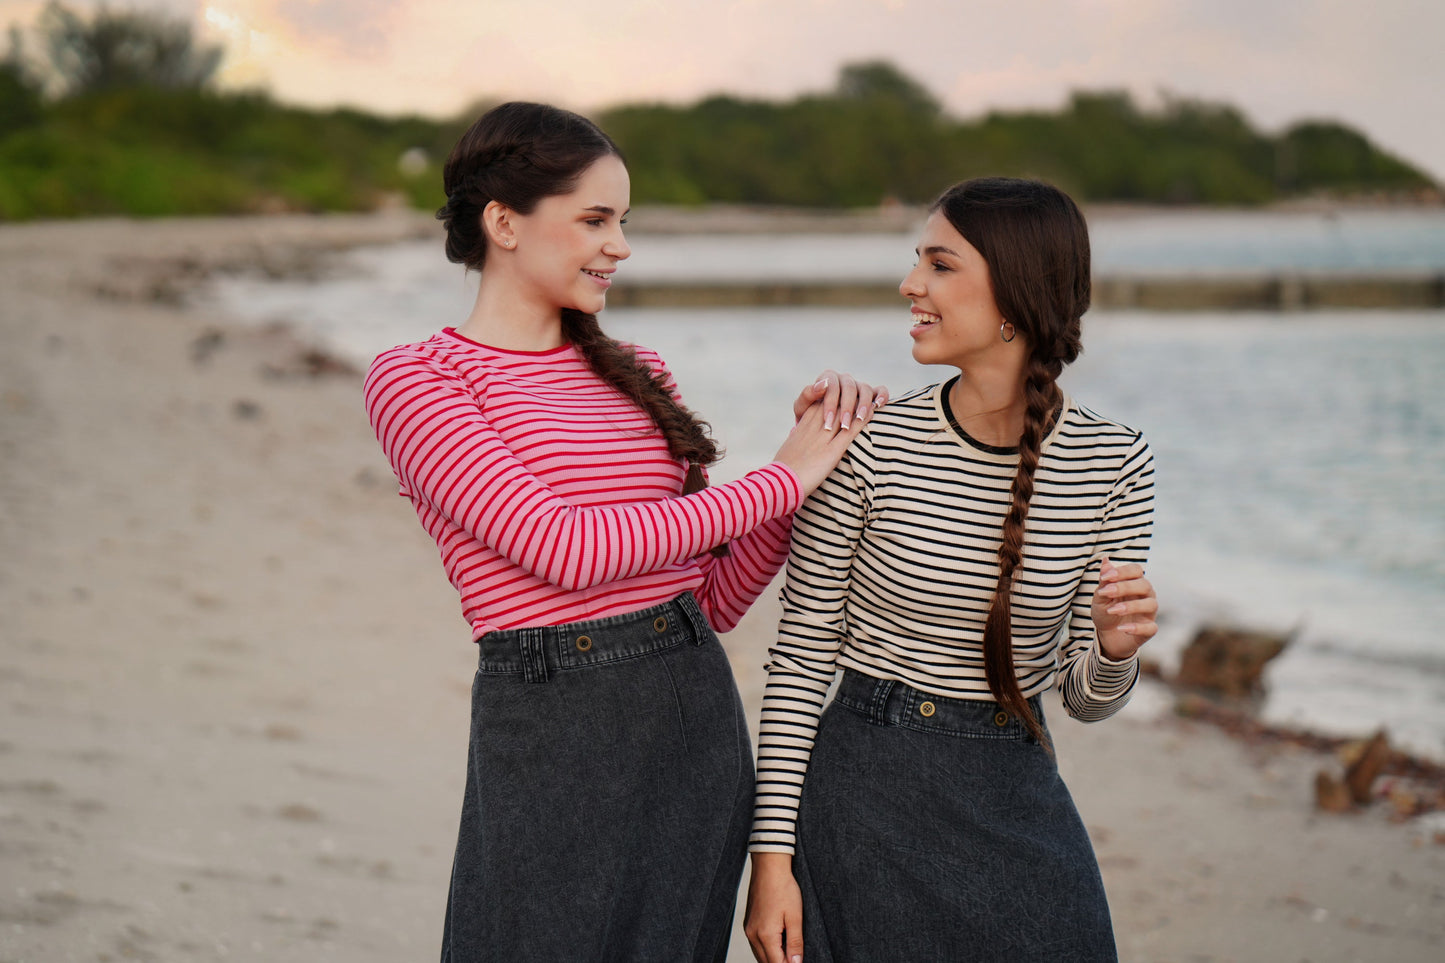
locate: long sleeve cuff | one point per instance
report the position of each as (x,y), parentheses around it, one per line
(1107,681)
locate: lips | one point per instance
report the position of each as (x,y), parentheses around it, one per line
(603,277)
(922,319)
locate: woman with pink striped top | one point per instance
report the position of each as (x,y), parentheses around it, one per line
(610,775)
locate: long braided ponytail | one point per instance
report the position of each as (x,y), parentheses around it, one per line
(1036,245)
(1043,397)
(618,364)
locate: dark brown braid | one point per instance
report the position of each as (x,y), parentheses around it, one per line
(1042,398)
(1036,245)
(619,366)
(517,154)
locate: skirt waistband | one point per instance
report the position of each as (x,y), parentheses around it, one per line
(538,651)
(888,702)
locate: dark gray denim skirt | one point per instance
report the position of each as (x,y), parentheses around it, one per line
(609,794)
(938,829)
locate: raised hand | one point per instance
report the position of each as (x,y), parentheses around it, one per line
(1123,610)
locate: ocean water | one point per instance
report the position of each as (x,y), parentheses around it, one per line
(1300,461)
(1300,457)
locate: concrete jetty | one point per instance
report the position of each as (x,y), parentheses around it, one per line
(1196,292)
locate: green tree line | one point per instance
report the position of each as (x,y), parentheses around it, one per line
(879,135)
(118,115)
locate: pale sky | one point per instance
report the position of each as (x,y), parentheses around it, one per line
(1375,66)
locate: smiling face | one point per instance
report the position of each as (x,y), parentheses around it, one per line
(955,319)
(565,251)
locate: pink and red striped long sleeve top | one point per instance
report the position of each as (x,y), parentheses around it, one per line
(552,498)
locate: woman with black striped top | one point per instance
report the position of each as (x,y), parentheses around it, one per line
(982,540)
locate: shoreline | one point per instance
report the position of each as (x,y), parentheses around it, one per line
(234,680)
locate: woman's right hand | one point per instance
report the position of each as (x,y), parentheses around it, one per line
(843,395)
(812,451)
(774,920)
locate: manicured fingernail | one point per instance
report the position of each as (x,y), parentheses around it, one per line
(827,422)
(847,418)
(821,383)
(1119,609)
(795,959)
(1111,590)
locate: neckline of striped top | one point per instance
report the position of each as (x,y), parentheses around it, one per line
(561,349)
(945,413)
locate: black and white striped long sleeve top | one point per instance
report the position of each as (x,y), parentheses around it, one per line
(895,558)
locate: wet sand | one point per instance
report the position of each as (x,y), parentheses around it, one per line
(234,680)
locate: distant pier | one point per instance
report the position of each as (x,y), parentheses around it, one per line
(1198,292)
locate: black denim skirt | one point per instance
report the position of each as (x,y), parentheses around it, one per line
(609,794)
(938,829)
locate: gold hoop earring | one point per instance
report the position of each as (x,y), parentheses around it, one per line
(1012,332)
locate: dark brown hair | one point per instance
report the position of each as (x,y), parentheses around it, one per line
(517,154)
(1036,244)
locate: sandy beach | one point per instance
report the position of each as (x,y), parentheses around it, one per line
(234,680)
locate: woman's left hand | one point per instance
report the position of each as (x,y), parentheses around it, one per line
(843,397)
(1124,609)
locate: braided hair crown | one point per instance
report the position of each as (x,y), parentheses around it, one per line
(516,154)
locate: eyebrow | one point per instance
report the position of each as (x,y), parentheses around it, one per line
(605,210)
(937,249)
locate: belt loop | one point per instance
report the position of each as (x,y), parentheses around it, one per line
(878,706)
(693,613)
(534,654)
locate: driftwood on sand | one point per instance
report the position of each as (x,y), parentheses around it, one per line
(1221,680)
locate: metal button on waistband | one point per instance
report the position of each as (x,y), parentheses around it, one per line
(584,642)
(927,709)
(660,623)
(1000,719)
